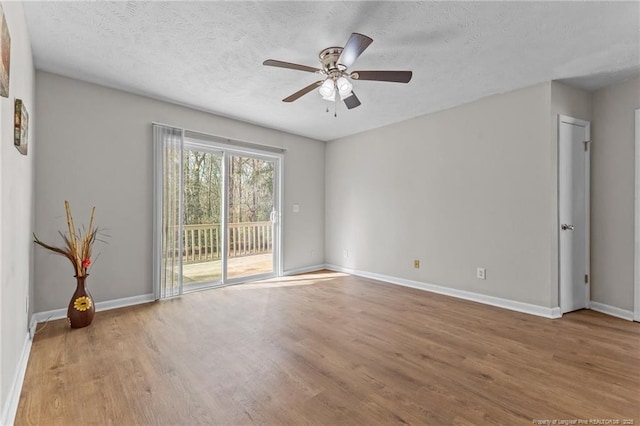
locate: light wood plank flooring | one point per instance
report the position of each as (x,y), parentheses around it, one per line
(329,348)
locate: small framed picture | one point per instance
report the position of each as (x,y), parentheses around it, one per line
(21,129)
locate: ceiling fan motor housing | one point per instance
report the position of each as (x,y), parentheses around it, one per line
(329,60)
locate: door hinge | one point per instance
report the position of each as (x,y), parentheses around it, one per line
(586,278)
(586,145)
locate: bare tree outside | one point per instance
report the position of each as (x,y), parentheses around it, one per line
(250,188)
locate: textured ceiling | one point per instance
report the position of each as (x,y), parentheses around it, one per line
(208,55)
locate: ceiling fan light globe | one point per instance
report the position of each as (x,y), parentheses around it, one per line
(330,98)
(327,88)
(344,87)
(327,93)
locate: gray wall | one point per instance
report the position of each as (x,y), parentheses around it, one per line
(476,186)
(16,208)
(463,188)
(96,150)
(612,188)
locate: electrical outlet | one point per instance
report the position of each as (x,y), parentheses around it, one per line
(481,274)
(296,208)
(416,264)
(345,253)
(313,253)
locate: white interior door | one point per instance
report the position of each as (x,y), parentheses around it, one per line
(573,147)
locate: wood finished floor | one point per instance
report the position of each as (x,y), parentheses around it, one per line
(330,349)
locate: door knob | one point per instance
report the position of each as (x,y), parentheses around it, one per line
(565,227)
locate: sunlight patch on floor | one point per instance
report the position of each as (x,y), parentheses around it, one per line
(290,281)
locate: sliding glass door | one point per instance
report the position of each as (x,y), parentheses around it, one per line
(202,217)
(216,212)
(250,216)
(229,216)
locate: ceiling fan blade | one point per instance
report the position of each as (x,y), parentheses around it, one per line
(289,65)
(356,44)
(392,76)
(351,101)
(302,92)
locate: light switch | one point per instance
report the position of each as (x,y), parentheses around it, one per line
(296,208)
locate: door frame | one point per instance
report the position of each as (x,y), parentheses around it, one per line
(226,150)
(587,196)
(636,297)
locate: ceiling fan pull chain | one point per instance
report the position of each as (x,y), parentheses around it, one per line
(335,111)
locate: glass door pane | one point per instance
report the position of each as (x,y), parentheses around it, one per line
(202,218)
(250,214)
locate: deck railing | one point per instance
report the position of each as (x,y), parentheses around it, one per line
(204,241)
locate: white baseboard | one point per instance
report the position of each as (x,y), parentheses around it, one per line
(100,306)
(512,305)
(304,270)
(611,310)
(556,312)
(8,414)
(33,324)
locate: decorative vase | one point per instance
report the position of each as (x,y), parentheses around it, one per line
(81,309)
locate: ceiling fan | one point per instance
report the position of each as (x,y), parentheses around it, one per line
(336,82)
